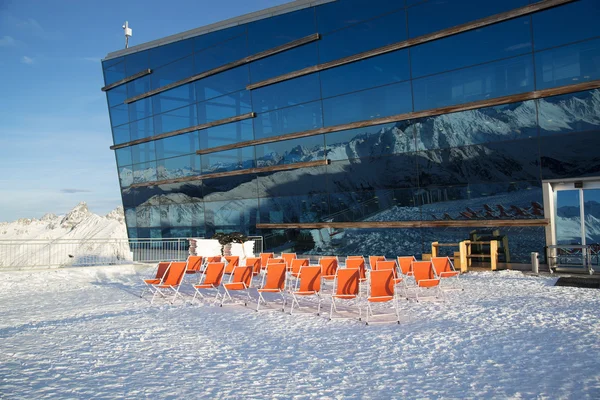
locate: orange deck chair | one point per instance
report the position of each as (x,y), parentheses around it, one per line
(405,263)
(392,266)
(345,288)
(214,259)
(264,257)
(329,266)
(253,262)
(273,282)
(373,261)
(213,275)
(297,264)
(274,260)
(171,281)
(308,284)
(357,262)
(160,273)
(381,289)
(445,269)
(239,280)
(288,257)
(232,262)
(194,265)
(426,279)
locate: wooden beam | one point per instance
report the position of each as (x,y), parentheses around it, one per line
(536,94)
(231,65)
(185,130)
(455,30)
(128,79)
(246,171)
(411,224)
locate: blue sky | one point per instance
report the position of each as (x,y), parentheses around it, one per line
(54,126)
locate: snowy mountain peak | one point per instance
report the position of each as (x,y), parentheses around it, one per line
(117,214)
(76,215)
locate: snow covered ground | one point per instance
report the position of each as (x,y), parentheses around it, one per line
(84,332)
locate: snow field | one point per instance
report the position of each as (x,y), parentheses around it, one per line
(84,332)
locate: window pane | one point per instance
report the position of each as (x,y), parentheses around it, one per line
(371,141)
(109,63)
(176,119)
(287,93)
(116,95)
(138,86)
(372,72)
(291,151)
(145,172)
(148,216)
(293,209)
(271,32)
(221,54)
(232,216)
(287,120)
(140,109)
(229,81)
(234,132)
(180,69)
(177,145)
(123,156)
(136,62)
(141,129)
(224,107)
(568,65)
(301,181)
(121,134)
(377,205)
(569,156)
(188,214)
(574,112)
(493,42)
(282,63)
(230,187)
(177,167)
(114,73)
(436,15)
(501,78)
(126,177)
(577,21)
(119,115)
(174,98)
(368,35)
(212,38)
(143,152)
(484,125)
(368,104)
(339,14)
(182,192)
(229,160)
(130,217)
(168,53)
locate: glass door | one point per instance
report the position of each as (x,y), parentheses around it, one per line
(569,229)
(591,213)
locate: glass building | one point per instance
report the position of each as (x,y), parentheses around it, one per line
(366,126)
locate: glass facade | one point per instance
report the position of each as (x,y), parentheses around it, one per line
(486,163)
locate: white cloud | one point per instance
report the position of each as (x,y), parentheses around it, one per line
(7,41)
(27,60)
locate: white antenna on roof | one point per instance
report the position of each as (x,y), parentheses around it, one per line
(128,33)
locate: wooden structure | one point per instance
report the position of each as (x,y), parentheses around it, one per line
(464,256)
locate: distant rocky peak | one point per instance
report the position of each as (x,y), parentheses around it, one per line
(117,214)
(76,215)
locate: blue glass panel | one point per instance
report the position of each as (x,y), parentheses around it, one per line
(176,119)
(368,104)
(338,14)
(180,69)
(114,73)
(141,129)
(225,82)
(230,187)
(390,28)
(126,176)
(287,120)
(116,95)
(121,134)
(501,78)
(235,132)
(178,167)
(143,152)
(573,112)
(291,151)
(224,53)
(568,65)
(287,93)
(109,63)
(132,233)
(371,141)
(224,107)
(174,98)
(267,33)
(187,214)
(282,63)
(138,86)
(140,109)
(493,42)
(145,172)
(130,218)
(232,216)
(154,233)
(119,115)
(292,209)
(148,216)
(177,145)
(143,196)
(229,160)
(168,53)
(183,192)
(484,125)
(123,156)
(300,181)
(436,15)
(136,62)
(372,72)
(577,21)
(377,205)
(569,156)
(212,38)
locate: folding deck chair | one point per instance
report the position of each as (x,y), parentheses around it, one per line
(160,273)
(194,265)
(426,279)
(213,276)
(392,266)
(297,264)
(288,257)
(273,282)
(253,262)
(405,263)
(232,262)
(345,288)
(240,279)
(308,284)
(329,266)
(373,261)
(264,257)
(381,289)
(445,269)
(357,262)
(171,281)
